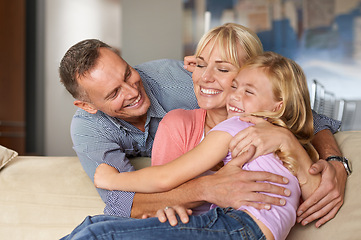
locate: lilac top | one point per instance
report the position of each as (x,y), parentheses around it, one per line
(279,219)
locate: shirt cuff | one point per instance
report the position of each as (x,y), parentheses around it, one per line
(322,122)
(119,203)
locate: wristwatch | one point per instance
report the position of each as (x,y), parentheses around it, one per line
(346,163)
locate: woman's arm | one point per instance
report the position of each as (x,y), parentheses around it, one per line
(165,177)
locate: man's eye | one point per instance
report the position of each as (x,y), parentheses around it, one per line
(115,93)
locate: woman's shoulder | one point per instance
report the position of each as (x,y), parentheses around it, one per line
(182,115)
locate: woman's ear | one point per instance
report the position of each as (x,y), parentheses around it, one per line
(86,106)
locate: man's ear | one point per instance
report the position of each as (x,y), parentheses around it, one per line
(86,106)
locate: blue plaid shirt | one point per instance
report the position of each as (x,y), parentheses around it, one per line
(98,138)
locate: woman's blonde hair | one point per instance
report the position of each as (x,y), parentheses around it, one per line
(289,85)
(228,37)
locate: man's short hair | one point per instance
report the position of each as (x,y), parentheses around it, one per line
(77,62)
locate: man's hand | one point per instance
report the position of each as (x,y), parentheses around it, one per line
(233,187)
(266,137)
(190,63)
(325,202)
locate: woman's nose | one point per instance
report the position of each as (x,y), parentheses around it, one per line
(207,76)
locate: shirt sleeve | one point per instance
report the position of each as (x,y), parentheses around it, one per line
(94,147)
(322,122)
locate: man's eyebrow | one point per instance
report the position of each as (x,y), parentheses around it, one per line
(127,72)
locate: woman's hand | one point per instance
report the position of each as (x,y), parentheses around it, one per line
(170,214)
(325,202)
(190,63)
(265,136)
(104,175)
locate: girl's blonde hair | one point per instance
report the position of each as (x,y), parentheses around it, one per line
(289,85)
(228,37)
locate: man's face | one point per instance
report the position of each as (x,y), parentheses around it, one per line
(115,88)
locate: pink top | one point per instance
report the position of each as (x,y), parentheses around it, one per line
(279,219)
(179,131)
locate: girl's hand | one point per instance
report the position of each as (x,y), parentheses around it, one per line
(104,175)
(190,63)
(265,136)
(169,213)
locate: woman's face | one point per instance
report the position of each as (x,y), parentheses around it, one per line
(212,78)
(251,92)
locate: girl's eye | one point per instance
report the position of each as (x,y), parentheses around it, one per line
(200,66)
(223,70)
(249,92)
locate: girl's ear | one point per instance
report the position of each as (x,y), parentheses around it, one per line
(86,106)
(278,106)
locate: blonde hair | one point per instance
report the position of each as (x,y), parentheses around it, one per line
(290,86)
(228,38)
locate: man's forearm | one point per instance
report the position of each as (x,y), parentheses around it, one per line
(326,144)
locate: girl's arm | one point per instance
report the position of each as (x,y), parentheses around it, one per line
(165,177)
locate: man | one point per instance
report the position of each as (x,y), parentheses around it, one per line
(119,112)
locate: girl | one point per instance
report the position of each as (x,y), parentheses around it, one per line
(268,86)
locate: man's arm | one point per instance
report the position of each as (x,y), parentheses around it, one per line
(95,141)
(329,196)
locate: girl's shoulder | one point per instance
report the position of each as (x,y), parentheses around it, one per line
(232,125)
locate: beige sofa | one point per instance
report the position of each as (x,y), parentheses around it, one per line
(47,197)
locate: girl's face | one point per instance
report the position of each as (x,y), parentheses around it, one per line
(213,77)
(251,92)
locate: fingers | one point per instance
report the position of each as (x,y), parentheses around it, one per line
(318,167)
(171,213)
(189,63)
(328,216)
(325,209)
(244,157)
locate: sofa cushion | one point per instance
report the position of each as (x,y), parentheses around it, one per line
(346,224)
(6,155)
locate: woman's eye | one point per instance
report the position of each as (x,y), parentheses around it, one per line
(200,66)
(223,70)
(248,92)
